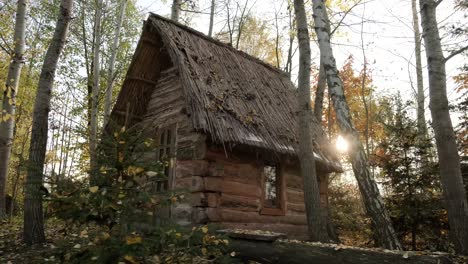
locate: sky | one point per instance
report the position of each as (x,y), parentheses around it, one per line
(387,37)
(386,34)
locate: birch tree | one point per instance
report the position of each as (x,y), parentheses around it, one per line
(96,81)
(7,121)
(421,121)
(33,214)
(449,159)
(315,220)
(212,13)
(111,71)
(372,200)
(175,10)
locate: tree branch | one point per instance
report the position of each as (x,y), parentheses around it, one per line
(455,53)
(438,2)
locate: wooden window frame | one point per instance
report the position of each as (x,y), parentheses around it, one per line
(163,146)
(274,211)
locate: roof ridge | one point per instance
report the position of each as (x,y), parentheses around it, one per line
(218,42)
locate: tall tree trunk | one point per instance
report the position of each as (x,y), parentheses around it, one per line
(212,12)
(421,121)
(175,11)
(33,215)
(7,121)
(96,90)
(449,160)
(321,86)
(370,193)
(316,226)
(110,72)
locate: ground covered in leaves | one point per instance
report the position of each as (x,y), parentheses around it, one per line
(66,243)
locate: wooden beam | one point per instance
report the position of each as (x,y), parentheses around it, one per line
(150,41)
(125,114)
(135,78)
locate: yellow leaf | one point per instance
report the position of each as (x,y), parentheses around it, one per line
(204,251)
(121,195)
(105,235)
(173,199)
(131,240)
(205,229)
(94,189)
(130,259)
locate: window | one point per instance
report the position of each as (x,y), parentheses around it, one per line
(164,153)
(272,197)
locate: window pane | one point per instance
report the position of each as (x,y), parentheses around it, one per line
(271,186)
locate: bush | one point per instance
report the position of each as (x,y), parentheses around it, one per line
(118,212)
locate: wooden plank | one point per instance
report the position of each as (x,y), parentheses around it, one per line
(135,78)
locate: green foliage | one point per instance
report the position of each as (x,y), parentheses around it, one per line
(119,211)
(348,214)
(410,177)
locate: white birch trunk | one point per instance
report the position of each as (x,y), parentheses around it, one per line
(96,90)
(212,12)
(421,118)
(33,214)
(315,214)
(110,72)
(7,121)
(449,160)
(369,191)
(175,11)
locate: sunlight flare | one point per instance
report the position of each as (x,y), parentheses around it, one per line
(341,144)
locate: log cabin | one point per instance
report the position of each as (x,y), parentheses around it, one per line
(228,122)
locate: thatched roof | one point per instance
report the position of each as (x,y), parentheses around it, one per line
(231,96)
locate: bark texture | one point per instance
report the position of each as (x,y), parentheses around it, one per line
(110,72)
(449,160)
(175,11)
(367,186)
(421,118)
(95,91)
(7,121)
(33,215)
(321,86)
(316,226)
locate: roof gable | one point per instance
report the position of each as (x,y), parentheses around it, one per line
(232,96)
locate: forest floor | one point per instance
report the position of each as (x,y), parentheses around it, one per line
(13,250)
(63,241)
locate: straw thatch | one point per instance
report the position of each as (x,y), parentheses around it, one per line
(231,96)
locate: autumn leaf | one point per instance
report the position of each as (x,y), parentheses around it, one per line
(93,189)
(130,259)
(204,229)
(131,240)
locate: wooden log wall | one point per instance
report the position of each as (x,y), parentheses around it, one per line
(228,191)
(166,108)
(222,190)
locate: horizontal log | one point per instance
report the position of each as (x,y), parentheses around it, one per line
(240,202)
(293,181)
(241,189)
(232,215)
(187,168)
(298,253)
(295,207)
(294,196)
